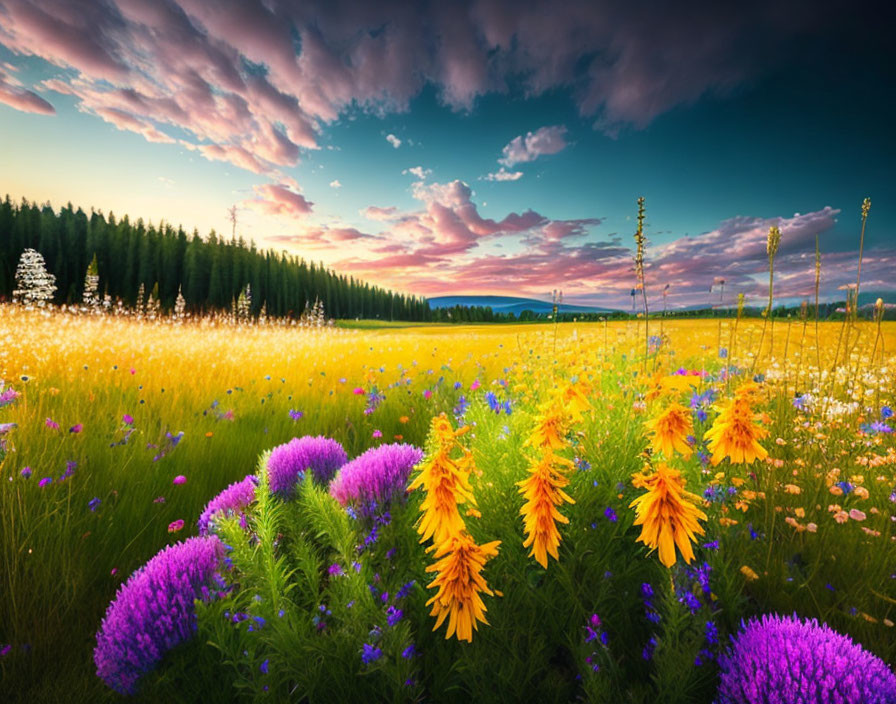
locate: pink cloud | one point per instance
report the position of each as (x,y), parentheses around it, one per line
(437,251)
(266,76)
(125,121)
(374,212)
(545,140)
(13,94)
(274,199)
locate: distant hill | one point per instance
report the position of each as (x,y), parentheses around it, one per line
(510,304)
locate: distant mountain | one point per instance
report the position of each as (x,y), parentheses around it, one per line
(510,304)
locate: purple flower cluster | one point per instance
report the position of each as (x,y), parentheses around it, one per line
(155,611)
(230,502)
(787,660)
(289,461)
(375,477)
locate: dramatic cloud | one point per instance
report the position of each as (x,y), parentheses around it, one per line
(264,77)
(448,246)
(503,174)
(13,94)
(545,140)
(274,199)
(393,140)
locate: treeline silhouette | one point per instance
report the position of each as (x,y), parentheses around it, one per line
(210,272)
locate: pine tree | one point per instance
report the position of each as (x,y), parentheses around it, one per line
(180,304)
(33,283)
(90,298)
(141,300)
(154,305)
(244,304)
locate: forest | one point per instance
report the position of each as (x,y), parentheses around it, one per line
(210,272)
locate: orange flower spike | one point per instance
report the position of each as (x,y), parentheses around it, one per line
(446,483)
(670,430)
(668,514)
(459,582)
(543,492)
(735,433)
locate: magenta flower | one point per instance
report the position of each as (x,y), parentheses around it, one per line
(288,462)
(52,424)
(180,479)
(127,419)
(45,481)
(175,526)
(785,659)
(377,433)
(7,395)
(230,502)
(155,611)
(77,428)
(378,476)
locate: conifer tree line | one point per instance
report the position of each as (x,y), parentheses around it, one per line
(211,273)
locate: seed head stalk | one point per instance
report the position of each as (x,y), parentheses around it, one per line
(771,248)
(817,287)
(639,270)
(557,299)
(852,302)
(804,317)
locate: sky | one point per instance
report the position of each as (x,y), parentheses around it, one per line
(477,146)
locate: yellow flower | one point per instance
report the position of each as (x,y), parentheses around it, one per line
(573,398)
(670,430)
(446,482)
(459,583)
(543,491)
(550,429)
(668,514)
(735,433)
(749,573)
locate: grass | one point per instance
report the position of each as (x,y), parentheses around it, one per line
(230,391)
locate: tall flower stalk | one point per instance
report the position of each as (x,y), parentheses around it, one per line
(459,560)
(640,241)
(771,247)
(817,288)
(852,301)
(543,488)
(445,481)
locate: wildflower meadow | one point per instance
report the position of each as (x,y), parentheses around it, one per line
(647,510)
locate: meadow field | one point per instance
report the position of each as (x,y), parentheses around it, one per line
(118,432)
